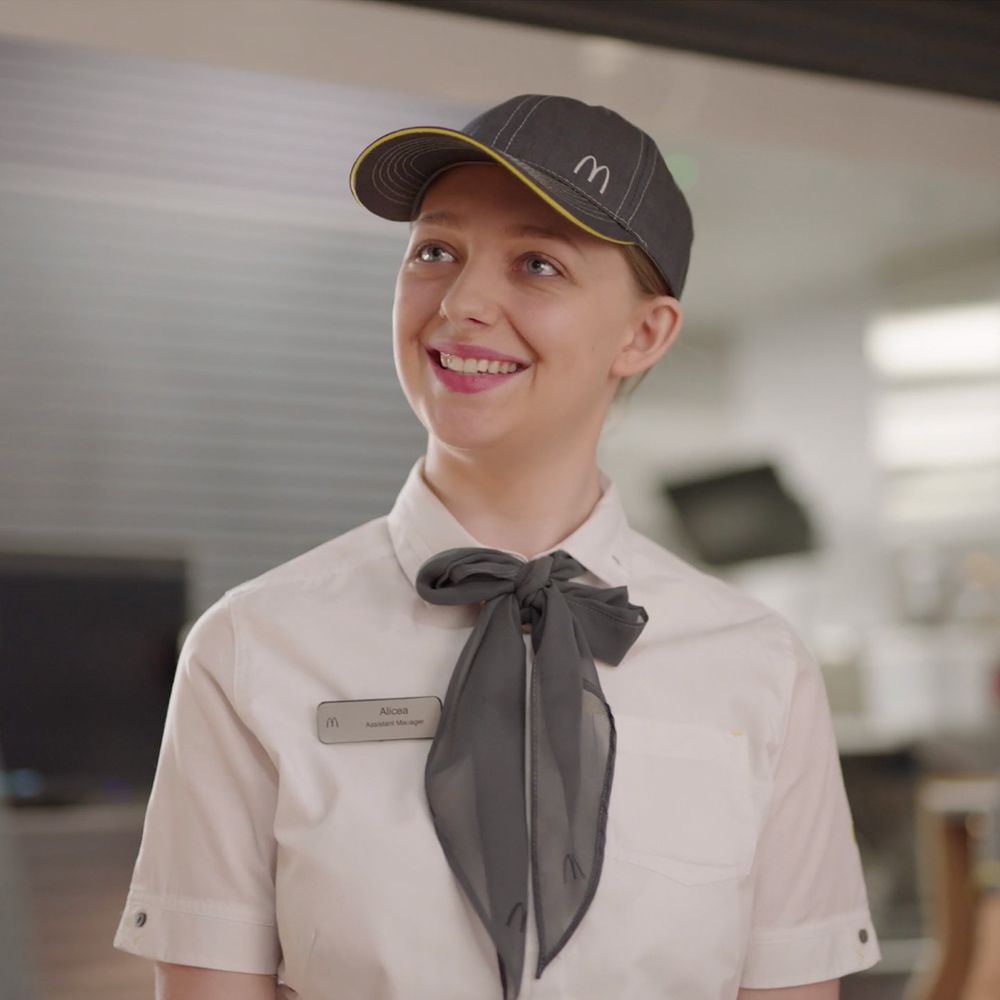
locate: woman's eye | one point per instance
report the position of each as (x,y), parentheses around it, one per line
(541,267)
(432,253)
(419,253)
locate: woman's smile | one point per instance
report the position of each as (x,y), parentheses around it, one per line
(471,368)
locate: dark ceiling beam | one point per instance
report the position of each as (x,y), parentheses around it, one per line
(948,46)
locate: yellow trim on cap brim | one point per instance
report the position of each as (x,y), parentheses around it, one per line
(499,159)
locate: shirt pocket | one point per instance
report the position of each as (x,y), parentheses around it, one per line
(681,800)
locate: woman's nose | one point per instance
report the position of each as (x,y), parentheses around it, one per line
(473,294)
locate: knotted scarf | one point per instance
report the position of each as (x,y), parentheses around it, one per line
(475,772)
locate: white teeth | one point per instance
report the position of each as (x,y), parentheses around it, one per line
(468,366)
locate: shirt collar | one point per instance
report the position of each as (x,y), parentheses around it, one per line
(420,526)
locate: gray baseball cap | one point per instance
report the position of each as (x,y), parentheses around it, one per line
(589,163)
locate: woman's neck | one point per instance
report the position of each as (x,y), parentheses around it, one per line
(526,506)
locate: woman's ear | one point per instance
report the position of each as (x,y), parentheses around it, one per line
(655,324)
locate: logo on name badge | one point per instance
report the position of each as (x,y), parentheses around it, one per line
(378,719)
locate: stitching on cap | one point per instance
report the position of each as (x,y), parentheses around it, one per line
(510,117)
(581,207)
(635,169)
(603,212)
(523,120)
(642,194)
(390,177)
(384,182)
(393,175)
(576,198)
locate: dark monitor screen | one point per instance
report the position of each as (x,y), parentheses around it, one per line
(88,648)
(740,514)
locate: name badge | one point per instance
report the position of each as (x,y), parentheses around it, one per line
(378,719)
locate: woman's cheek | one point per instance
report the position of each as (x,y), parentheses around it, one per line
(412,294)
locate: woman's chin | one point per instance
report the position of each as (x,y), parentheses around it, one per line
(464,440)
(463,433)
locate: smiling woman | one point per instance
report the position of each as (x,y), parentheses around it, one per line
(615,774)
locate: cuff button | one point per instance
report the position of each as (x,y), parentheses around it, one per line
(140,918)
(863,935)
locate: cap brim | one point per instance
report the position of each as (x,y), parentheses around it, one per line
(391,174)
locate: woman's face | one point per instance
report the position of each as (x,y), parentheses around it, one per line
(477,282)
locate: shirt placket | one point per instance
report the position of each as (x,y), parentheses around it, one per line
(531,939)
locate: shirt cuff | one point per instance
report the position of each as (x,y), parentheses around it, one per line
(203,933)
(811,953)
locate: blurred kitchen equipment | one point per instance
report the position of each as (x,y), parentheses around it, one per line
(737,514)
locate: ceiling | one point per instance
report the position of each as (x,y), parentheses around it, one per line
(948,46)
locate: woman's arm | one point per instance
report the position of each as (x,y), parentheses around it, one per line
(188,982)
(828,990)
(984,975)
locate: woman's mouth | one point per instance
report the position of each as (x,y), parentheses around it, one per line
(472,366)
(471,374)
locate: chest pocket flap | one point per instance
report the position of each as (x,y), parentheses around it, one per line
(681,800)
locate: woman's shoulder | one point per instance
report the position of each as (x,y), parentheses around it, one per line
(341,557)
(720,623)
(658,572)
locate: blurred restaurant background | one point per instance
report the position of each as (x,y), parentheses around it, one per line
(196,384)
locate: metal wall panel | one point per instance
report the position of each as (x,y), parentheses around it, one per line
(195,315)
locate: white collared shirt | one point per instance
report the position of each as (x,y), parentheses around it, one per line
(730,858)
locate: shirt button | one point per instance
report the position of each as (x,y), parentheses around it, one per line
(863,935)
(140,918)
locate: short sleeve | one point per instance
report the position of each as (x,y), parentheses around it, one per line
(811,919)
(202,890)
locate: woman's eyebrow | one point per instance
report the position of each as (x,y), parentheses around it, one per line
(530,230)
(447,218)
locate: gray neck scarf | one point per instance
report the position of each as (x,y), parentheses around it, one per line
(474,777)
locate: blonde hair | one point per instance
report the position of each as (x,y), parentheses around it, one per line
(650,283)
